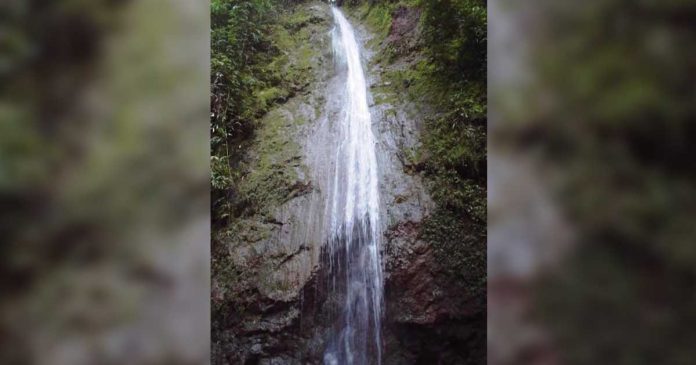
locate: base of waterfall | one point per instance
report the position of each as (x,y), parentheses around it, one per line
(355,334)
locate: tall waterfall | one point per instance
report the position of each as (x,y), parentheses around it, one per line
(353,204)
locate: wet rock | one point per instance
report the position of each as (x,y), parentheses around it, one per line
(432,315)
(272,252)
(274,322)
(278,361)
(275,294)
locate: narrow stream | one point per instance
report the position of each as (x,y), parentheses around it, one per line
(353,204)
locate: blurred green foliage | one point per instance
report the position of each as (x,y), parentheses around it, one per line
(100,153)
(47,53)
(613,117)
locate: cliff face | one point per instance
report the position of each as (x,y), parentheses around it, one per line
(270,299)
(268,255)
(434,261)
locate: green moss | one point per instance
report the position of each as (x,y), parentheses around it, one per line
(248,231)
(466,197)
(379,18)
(273,171)
(291,68)
(271,283)
(281,38)
(305,56)
(268,161)
(460,247)
(452,153)
(270,172)
(266,97)
(301,18)
(384,98)
(453,150)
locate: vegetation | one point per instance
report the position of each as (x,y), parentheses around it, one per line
(455,142)
(263,56)
(239,44)
(260,56)
(102,164)
(617,135)
(449,73)
(261,59)
(246,80)
(439,64)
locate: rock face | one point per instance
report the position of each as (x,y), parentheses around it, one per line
(271,253)
(435,306)
(273,302)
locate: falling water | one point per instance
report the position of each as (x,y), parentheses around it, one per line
(353,203)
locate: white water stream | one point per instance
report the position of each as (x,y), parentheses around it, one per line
(353,205)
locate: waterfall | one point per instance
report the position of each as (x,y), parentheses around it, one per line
(353,247)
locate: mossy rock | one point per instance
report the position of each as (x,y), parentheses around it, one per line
(460,247)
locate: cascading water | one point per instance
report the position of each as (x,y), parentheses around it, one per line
(353,247)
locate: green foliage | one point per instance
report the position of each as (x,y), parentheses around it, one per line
(238,36)
(464,197)
(239,42)
(377,17)
(455,32)
(460,247)
(455,144)
(261,56)
(447,70)
(451,77)
(455,141)
(617,132)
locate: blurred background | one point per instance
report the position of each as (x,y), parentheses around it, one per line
(104,180)
(592,200)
